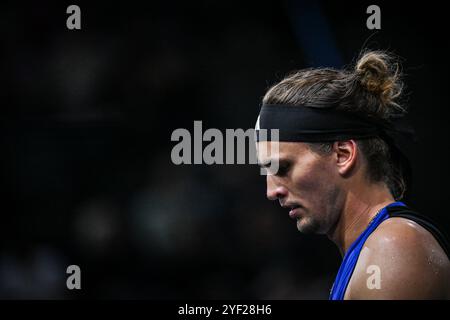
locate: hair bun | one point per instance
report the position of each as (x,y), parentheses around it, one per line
(380,77)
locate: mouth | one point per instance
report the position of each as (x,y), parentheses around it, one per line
(293,211)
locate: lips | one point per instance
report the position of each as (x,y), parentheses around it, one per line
(293,209)
(293,213)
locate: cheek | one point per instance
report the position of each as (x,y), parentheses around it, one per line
(318,190)
(315,177)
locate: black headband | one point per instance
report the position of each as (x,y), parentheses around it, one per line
(308,124)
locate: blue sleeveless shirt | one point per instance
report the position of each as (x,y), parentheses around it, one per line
(351,257)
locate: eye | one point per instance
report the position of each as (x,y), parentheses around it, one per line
(283,169)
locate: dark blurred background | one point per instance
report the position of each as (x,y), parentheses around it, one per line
(86,121)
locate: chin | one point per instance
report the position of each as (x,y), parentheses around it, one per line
(306,226)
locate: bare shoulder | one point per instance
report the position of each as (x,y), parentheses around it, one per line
(407,261)
(400,233)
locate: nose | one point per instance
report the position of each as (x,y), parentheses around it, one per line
(275,190)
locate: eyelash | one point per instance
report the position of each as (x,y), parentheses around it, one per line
(282,170)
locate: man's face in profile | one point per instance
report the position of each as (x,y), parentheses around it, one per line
(306,184)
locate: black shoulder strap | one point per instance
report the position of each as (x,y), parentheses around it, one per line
(424,221)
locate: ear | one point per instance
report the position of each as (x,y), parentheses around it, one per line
(346,155)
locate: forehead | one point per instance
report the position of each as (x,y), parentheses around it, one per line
(268,150)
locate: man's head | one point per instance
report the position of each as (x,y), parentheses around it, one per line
(314,178)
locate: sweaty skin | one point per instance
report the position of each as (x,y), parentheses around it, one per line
(331,194)
(411,262)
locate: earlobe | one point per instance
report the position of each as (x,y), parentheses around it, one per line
(345,156)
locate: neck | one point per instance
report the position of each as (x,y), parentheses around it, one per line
(358,210)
